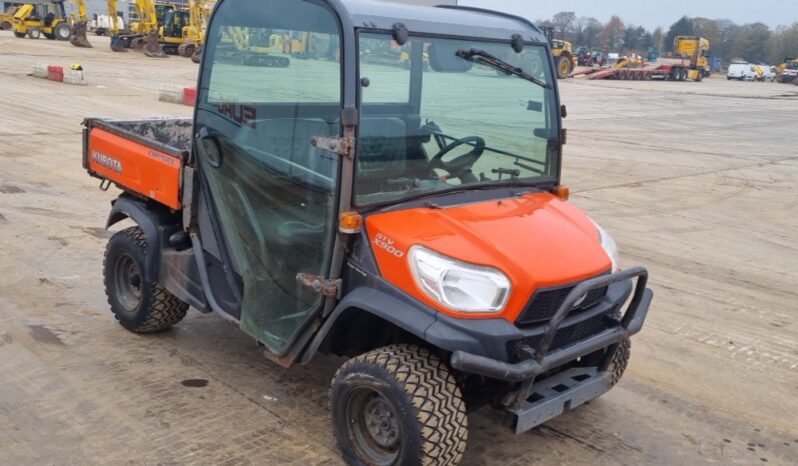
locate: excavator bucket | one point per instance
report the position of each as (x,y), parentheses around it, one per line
(118,43)
(77,36)
(152,47)
(197,56)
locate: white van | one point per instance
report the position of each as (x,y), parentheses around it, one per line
(749,72)
(101,24)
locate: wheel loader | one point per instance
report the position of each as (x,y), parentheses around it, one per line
(564,58)
(413,221)
(45,18)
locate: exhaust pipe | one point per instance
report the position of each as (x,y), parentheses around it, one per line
(77,36)
(152,46)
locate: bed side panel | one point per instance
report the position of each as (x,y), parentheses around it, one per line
(135,167)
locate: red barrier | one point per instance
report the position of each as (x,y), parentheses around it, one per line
(55,73)
(189,96)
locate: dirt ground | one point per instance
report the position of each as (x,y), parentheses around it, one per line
(696,181)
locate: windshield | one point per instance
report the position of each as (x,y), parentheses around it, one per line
(443,114)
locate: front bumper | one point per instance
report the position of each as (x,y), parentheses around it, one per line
(543,360)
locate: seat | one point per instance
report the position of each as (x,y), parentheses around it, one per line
(382,153)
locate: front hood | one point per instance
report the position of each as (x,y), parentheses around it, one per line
(536,239)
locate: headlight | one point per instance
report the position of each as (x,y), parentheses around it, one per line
(457,285)
(609,245)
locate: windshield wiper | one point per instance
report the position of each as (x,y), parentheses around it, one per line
(484,58)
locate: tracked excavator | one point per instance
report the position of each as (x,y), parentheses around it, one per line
(253,47)
(144,34)
(194,33)
(77,36)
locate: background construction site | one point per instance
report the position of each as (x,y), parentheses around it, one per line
(697,180)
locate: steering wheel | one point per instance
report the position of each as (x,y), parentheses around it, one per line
(461,165)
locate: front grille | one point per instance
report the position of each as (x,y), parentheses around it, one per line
(544,303)
(566,335)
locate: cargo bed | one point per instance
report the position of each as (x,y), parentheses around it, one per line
(144,157)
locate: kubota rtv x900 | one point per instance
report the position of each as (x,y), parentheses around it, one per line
(409,217)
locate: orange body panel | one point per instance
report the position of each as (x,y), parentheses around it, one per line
(135,167)
(537,240)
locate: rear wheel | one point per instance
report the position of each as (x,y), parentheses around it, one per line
(61,31)
(5,26)
(34,33)
(398,405)
(564,66)
(139,305)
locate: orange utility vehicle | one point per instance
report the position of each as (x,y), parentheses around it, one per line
(414,221)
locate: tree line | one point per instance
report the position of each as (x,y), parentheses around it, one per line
(753,42)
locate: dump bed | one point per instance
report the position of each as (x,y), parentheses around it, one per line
(144,157)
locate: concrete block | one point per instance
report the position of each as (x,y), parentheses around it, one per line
(77,77)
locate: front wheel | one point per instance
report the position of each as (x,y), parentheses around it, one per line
(564,66)
(34,33)
(398,405)
(140,305)
(619,361)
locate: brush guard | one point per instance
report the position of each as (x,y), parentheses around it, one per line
(536,403)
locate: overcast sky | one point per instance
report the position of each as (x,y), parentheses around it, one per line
(653,13)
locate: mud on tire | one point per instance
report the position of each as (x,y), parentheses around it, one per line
(408,392)
(139,305)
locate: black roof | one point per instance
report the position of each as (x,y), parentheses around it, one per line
(446,19)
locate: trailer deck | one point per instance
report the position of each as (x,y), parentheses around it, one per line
(663,69)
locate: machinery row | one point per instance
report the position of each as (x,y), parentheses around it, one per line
(688,61)
(156,28)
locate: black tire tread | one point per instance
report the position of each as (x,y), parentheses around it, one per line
(620,360)
(434,393)
(166,309)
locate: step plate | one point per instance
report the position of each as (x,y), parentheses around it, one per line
(559,393)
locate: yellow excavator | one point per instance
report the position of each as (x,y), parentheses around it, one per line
(144,34)
(194,33)
(171,28)
(253,47)
(79,25)
(41,18)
